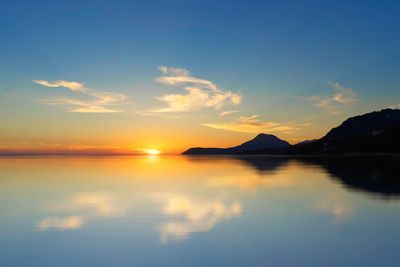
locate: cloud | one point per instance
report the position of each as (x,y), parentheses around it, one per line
(198,216)
(87,100)
(224,113)
(333,103)
(252,124)
(198,93)
(74,86)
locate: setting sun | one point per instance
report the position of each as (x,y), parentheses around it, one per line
(152,151)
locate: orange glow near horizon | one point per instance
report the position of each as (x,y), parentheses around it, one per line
(172,142)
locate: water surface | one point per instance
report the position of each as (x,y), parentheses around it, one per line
(199,211)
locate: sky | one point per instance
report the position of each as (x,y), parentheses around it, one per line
(128,76)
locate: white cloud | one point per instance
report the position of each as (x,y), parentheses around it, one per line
(74,86)
(334,102)
(87,100)
(224,113)
(252,124)
(198,93)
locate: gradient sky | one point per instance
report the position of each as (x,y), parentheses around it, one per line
(132,75)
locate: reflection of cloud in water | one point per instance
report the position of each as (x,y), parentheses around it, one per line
(80,208)
(99,204)
(198,215)
(337,206)
(60,223)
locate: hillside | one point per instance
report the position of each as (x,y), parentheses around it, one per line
(374,132)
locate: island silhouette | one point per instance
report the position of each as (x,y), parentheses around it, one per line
(374,132)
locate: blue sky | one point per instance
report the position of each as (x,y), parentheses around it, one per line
(285,58)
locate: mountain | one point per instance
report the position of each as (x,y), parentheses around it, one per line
(370,124)
(261,141)
(374,132)
(306,141)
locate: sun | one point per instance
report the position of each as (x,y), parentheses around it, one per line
(152,151)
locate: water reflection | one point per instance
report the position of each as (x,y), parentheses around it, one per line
(337,206)
(262,164)
(188,214)
(195,215)
(232,211)
(81,207)
(379,176)
(60,223)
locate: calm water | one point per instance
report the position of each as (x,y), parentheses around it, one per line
(199,211)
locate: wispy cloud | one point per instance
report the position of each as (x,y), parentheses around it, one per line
(87,100)
(334,102)
(74,86)
(198,93)
(252,124)
(224,113)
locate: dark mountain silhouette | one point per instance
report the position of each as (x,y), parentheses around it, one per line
(307,142)
(261,141)
(370,124)
(375,132)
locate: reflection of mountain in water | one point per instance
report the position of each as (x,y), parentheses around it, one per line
(378,175)
(262,163)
